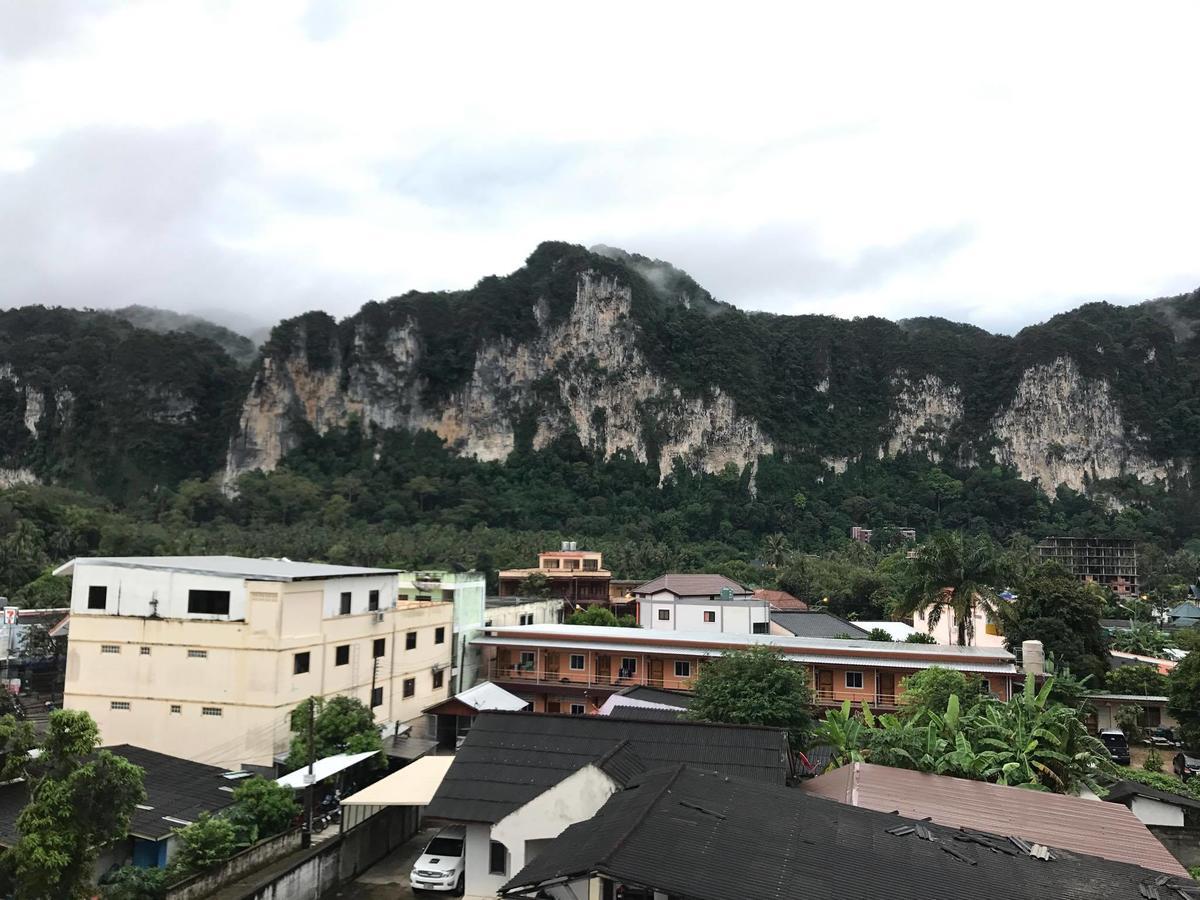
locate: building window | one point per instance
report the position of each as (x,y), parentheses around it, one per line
(759,628)
(402,597)
(197,654)
(379,648)
(854,680)
(119,704)
(208,603)
(439,635)
(552,564)
(628,666)
(577,662)
(526,618)
(341,655)
(710,615)
(373,601)
(439,678)
(683,668)
(376,697)
(424,598)
(344,609)
(577,709)
(98,597)
(210,711)
(144,651)
(300,663)
(110,648)
(410,641)
(664,615)
(497,859)
(410,687)
(176,709)
(527,660)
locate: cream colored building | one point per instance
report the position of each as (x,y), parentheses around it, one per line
(206,657)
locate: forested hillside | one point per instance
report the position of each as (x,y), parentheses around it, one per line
(596,396)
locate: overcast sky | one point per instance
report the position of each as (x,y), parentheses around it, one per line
(990,163)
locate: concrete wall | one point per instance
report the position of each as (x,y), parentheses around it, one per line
(688,614)
(1182,843)
(255,857)
(946,630)
(1155,812)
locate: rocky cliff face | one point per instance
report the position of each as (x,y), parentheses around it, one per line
(584,374)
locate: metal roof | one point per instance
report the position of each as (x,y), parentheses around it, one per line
(227,567)
(323,768)
(1127,697)
(701,835)
(414,785)
(574,633)
(509,758)
(816,623)
(490,696)
(1107,830)
(691,585)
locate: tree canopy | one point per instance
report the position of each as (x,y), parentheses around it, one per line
(341,724)
(754,687)
(1064,615)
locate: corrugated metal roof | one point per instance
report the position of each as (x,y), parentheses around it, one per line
(228,566)
(717,639)
(1107,830)
(879,662)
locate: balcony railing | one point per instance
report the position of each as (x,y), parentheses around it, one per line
(876,699)
(620,678)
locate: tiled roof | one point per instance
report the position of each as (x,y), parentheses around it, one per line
(1070,823)
(690,585)
(508,758)
(816,623)
(705,836)
(780,600)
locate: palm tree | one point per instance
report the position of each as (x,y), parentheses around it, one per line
(956,572)
(775,548)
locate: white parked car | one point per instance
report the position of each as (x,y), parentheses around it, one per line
(441,864)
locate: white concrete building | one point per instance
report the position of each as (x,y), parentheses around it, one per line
(701,603)
(985,631)
(205,657)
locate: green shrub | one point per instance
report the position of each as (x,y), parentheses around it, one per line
(1154,761)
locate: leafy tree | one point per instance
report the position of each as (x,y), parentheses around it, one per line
(534,585)
(341,725)
(47,591)
(1143,639)
(930,690)
(1183,689)
(203,844)
(17,738)
(135,883)
(80,799)
(598,615)
(754,687)
(775,549)
(261,809)
(958,572)
(1144,680)
(879,634)
(920,637)
(1128,718)
(1058,610)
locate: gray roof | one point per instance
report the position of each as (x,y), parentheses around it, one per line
(706,836)
(229,567)
(691,585)
(509,758)
(658,695)
(816,623)
(1125,789)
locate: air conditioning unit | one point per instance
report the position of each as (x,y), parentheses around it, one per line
(378,617)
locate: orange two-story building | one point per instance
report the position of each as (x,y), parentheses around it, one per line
(575,668)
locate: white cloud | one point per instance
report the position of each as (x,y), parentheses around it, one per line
(992,165)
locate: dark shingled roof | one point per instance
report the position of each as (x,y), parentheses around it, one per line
(509,758)
(690,585)
(647,713)
(175,787)
(1125,789)
(816,623)
(704,836)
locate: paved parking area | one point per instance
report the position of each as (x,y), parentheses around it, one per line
(388,878)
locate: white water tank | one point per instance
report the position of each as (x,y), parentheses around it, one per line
(1033,658)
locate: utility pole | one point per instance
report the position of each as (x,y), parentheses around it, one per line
(306,832)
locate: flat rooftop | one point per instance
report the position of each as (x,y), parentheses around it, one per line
(228,567)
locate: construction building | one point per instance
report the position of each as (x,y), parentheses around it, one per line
(1111,562)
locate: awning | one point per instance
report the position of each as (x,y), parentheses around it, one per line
(484,696)
(323,768)
(414,785)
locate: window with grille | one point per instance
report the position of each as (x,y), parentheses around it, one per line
(376,697)
(210,710)
(110,648)
(119,704)
(410,687)
(176,709)
(197,654)
(664,615)
(97,597)
(341,655)
(145,651)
